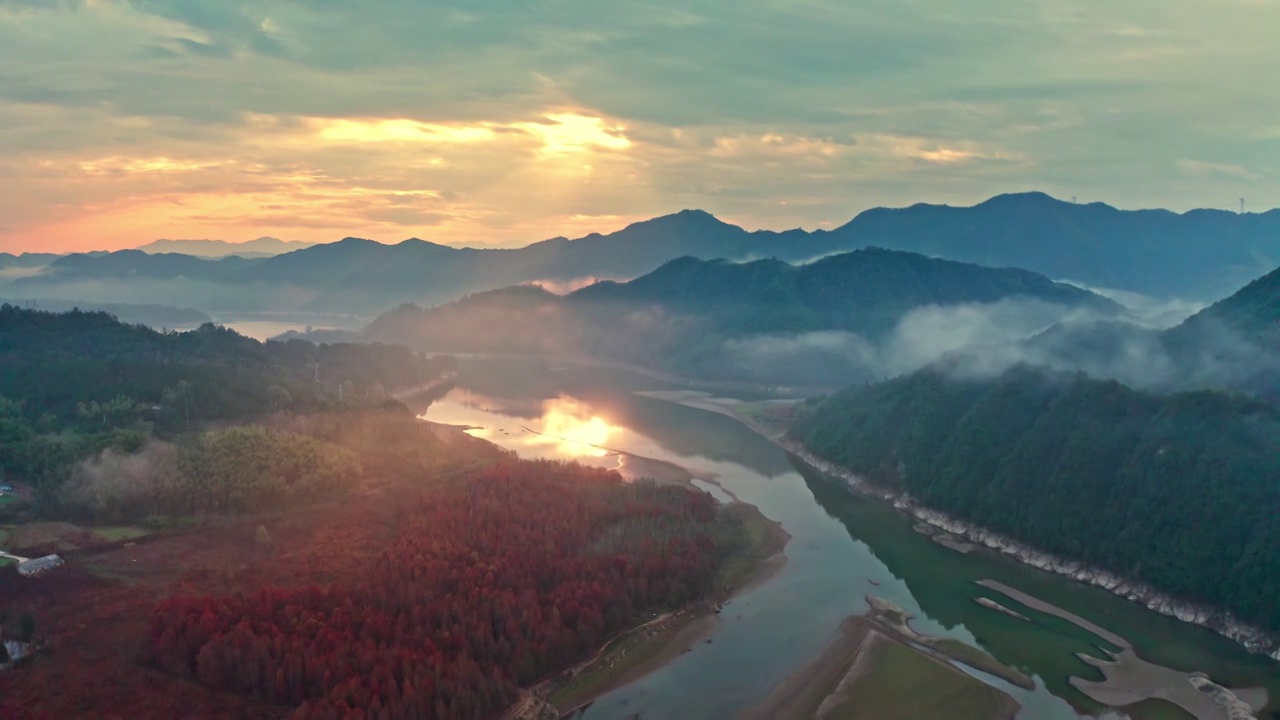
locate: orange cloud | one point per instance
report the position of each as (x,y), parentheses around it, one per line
(387,178)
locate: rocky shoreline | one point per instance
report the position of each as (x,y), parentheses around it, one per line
(1252,638)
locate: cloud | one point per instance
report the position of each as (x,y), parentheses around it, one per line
(1197,168)
(921,337)
(1146,311)
(564,287)
(774,113)
(981,340)
(824,357)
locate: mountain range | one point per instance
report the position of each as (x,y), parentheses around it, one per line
(824,322)
(258,248)
(17,265)
(1199,254)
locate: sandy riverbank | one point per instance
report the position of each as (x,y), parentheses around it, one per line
(1129,679)
(868,671)
(800,696)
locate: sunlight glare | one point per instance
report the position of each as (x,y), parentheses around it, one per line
(574,430)
(570,132)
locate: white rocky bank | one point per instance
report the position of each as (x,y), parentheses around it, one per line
(1255,639)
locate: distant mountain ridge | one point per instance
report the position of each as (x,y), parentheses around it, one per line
(1199,254)
(26,259)
(258,247)
(764,320)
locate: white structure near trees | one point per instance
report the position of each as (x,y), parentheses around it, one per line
(38,565)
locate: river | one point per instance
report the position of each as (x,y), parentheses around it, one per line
(842,548)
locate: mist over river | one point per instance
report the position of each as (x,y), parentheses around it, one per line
(842,548)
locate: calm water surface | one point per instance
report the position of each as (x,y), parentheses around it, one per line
(842,548)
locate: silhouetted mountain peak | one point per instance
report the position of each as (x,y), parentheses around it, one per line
(695,214)
(420,244)
(1033,198)
(685,219)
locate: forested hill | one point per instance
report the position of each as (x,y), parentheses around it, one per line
(1235,342)
(864,291)
(62,363)
(1253,312)
(1178,491)
(80,391)
(717,318)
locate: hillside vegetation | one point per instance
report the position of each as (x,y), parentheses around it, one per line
(113,421)
(489,586)
(1178,491)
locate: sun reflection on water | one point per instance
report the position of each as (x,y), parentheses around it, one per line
(573,429)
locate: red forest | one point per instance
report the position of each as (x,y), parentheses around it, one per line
(489,585)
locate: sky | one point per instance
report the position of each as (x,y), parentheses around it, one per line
(505,122)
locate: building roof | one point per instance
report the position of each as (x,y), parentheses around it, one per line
(39,565)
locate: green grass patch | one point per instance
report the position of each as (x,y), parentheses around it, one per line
(121,533)
(903,684)
(7,561)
